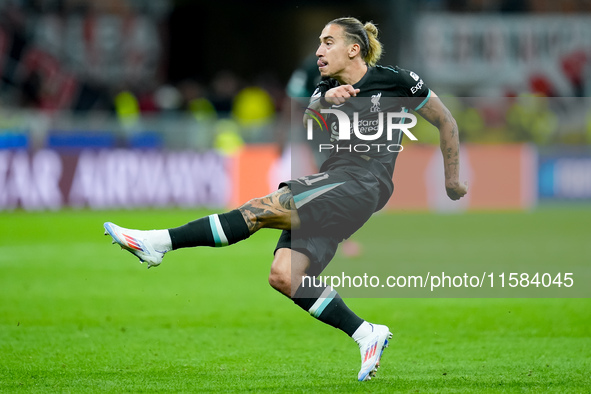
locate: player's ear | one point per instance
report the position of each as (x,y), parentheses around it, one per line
(354,50)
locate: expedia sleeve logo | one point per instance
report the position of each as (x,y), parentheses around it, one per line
(419,84)
(417,87)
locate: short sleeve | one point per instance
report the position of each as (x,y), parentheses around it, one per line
(414,88)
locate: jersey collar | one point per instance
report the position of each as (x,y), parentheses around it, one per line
(363,78)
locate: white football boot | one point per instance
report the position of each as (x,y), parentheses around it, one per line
(372,346)
(137,242)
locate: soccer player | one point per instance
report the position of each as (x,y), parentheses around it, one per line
(303,83)
(317,212)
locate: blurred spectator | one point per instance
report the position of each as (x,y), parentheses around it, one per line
(127,108)
(574,65)
(225,86)
(227,137)
(254,110)
(195,101)
(30,91)
(541,85)
(253,106)
(275,89)
(168,98)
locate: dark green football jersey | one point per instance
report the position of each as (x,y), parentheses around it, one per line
(374,137)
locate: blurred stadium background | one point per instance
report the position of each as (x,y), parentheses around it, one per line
(90,89)
(100,100)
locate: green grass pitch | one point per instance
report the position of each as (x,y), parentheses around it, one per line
(78,315)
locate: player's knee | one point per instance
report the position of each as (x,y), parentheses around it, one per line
(280,280)
(280,275)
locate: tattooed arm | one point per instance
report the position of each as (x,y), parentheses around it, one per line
(439,116)
(277,210)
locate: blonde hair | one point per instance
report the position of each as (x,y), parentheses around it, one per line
(364,35)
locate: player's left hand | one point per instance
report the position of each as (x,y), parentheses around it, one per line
(456,190)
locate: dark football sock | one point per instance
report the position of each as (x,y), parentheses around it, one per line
(326,305)
(213,230)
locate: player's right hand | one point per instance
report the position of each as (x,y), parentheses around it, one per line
(340,94)
(456,190)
